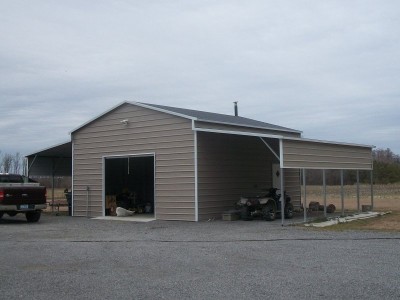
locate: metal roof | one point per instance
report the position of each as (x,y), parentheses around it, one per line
(199,116)
(60,150)
(218,118)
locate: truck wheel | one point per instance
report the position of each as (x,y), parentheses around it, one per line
(33,216)
(245,214)
(269,212)
(289,211)
(1,214)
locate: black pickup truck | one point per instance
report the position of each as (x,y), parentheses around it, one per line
(19,194)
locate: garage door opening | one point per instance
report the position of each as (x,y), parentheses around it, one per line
(129,183)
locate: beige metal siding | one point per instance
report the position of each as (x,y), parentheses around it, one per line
(292,186)
(320,155)
(170,138)
(229,166)
(224,127)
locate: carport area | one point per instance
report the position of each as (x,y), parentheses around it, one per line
(291,157)
(305,154)
(51,162)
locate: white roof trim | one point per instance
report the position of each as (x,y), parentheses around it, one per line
(250,126)
(279,137)
(327,142)
(239,133)
(95,118)
(132,103)
(163,110)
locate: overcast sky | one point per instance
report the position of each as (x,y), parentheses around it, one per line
(328,68)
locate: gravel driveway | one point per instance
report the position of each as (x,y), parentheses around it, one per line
(77,258)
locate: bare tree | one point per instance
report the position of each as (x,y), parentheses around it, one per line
(17,163)
(7,161)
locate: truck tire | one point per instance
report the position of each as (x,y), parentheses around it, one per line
(1,214)
(289,210)
(269,212)
(245,214)
(33,216)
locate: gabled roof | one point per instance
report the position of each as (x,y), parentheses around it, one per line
(197,115)
(217,118)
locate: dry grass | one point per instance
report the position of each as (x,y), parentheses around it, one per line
(59,197)
(386,198)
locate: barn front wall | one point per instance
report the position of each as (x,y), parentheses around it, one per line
(131,130)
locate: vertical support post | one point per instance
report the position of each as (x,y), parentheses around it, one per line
(87,201)
(372,189)
(358,190)
(52,184)
(282,197)
(196,180)
(52,193)
(305,196)
(342,191)
(324,189)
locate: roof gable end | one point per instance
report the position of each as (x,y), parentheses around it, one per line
(196,115)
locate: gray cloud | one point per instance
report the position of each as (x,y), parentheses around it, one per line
(329,68)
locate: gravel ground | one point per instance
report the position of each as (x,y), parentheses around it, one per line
(77,258)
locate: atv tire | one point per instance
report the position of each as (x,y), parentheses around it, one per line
(289,211)
(269,212)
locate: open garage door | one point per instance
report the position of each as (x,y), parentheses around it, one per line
(129,183)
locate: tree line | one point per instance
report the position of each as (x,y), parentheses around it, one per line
(386,170)
(11,163)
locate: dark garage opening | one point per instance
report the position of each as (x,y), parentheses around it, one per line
(129,183)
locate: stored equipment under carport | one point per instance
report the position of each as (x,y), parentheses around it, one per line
(266,206)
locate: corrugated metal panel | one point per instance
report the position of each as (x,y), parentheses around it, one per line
(170,138)
(325,155)
(292,186)
(228,167)
(48,166)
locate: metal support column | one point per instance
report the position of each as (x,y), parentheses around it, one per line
(342,191)
(282,197)
(305,196)
(372,189)
(324,189)
(87,201)
(53,171)
(358,190)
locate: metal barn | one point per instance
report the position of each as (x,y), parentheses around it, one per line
(190,165)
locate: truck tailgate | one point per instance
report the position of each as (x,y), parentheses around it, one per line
(23,195)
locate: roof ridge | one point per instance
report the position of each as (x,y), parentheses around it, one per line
(224,118)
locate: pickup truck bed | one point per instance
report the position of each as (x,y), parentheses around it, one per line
(18,195)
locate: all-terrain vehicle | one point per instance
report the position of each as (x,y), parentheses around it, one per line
(267,206)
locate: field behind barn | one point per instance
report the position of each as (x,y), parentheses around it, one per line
(386,196)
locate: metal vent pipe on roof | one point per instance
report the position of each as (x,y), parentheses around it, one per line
(236,109)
